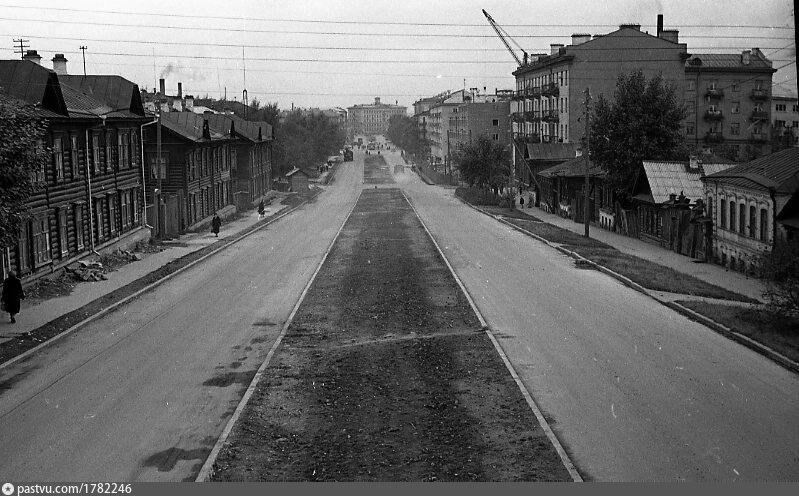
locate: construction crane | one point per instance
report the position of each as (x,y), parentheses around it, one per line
(504,36)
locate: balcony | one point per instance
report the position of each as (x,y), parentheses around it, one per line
(714,93)
(714,115)
(759,137)
(517,117)
(527,137)
(530,116)
(518,95)
(550,116)
(534,91)
(550,89)
(759,94)
(759,115)
(714,137)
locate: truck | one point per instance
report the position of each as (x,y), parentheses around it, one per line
(348,154)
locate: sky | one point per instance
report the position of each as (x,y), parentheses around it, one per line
(326,53)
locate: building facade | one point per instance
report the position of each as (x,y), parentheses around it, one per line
(371,119)
(785,118)
(472,120)
(89,197)
(727,98)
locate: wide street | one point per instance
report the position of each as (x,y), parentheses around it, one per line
(633,390)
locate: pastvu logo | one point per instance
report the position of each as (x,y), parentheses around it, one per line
(8,489)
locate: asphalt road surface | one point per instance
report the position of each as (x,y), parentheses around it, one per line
(636,391)
(143,393)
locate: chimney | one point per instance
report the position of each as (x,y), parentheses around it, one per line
(33,56)
(189,102)
(671,35)
(180,90)
(377,100)
(162,85)
(660,24)
(60,64)
(554,48)
(579,38)
(693,163)
(745,57)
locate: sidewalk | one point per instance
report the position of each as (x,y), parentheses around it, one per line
(35,313)
(708,272)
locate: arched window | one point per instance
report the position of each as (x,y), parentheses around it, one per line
(722,214)
(742,219)
(763,224)
(752,222)
(710,207)
(732,216)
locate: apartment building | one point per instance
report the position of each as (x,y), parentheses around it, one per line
(785,117)
(727,98)
(469,121)
(371,119)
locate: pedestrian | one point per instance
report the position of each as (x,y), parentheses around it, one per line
(261,209)
(215,224)
(12,294)
(521,202)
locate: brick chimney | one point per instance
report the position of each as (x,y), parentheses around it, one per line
(60,63)
(180,90)
(746,57)
(33,56)
(162,86)
(579,38)
(377,100)
(671,35)
(554,48)
(660,25)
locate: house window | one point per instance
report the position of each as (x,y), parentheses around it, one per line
(73,156)
(496,137)
(78,219)
(735,85)
(98,218)
(752,222)
(780,107)
(690,130)
(95,153)
(63,241)
(735,128)
(41,240)
(690,85)
(135,205)
(732,216)
(495,122)
(58,157)
(109,158)
(742,219)
(735,108)
(722,214)
(120,150)
(23,248)
(112,214)
(125,209)
(763,224)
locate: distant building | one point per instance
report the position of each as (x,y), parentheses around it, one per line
(747,203)
(785,116)
(727,97)
(472,120)
(371,119)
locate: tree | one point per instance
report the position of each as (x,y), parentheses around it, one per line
(641,123)
(484,163)
(21,157)
(780,269)
(404,132)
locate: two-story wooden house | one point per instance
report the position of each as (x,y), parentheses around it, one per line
(195,177)
(89,197)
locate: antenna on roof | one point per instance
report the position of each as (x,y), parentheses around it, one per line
(23,44)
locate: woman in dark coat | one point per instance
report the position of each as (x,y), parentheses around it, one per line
(12,294)
(215,224)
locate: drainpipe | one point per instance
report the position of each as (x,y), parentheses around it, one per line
(143,178)
(91,203)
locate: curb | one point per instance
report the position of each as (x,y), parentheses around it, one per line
(235,238)
(725,331)
(553,438)
(207,470)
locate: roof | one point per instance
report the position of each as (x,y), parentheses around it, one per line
(573,168)
(189,125)
(552,151)
(778,170)
(121,95)
(666,178)
(296,171)
(728,61)
(82,105)
(33,84)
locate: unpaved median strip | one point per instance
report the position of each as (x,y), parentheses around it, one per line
(24,345)
(352,394)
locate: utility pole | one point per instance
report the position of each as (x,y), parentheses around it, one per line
(159,223)
(23,44)
(83,49)
(512,162)
(587,153)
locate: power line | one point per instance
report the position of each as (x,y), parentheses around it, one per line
(343,33)
(382,23)
(387,49)
(23,44)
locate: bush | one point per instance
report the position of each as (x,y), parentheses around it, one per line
(780,269)
(478,196)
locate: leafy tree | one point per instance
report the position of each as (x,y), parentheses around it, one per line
(21,156)
(484,163)
(306,140)
(780,268)
(404,132)
(641,123)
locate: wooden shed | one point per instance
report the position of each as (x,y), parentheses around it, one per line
(298,180)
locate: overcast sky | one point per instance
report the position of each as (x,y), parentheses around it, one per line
(201,44)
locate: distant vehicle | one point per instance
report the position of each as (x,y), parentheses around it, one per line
(348,155)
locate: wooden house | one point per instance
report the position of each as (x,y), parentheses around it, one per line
(298,180)
(563,190)
(90,196)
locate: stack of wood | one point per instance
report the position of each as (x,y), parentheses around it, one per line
(86,271)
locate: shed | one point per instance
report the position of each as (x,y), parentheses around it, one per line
(298,180)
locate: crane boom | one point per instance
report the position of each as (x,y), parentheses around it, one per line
(504,36)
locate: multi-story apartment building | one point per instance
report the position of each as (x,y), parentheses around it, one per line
(727,98)
(371,119)
(472,120)
(438,132)
(89,197)
(785,117)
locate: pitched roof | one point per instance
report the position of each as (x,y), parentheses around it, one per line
(552,151)
(121,95)
(33,84)
(778,170)
(189,125)
(296,171)
(728,61)
(573,168)
(82,105)
(666,178)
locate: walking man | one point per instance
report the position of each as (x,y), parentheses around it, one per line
(216,223)
(261,210)
(12,294)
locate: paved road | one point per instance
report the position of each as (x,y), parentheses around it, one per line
(635,390)
(143,393)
